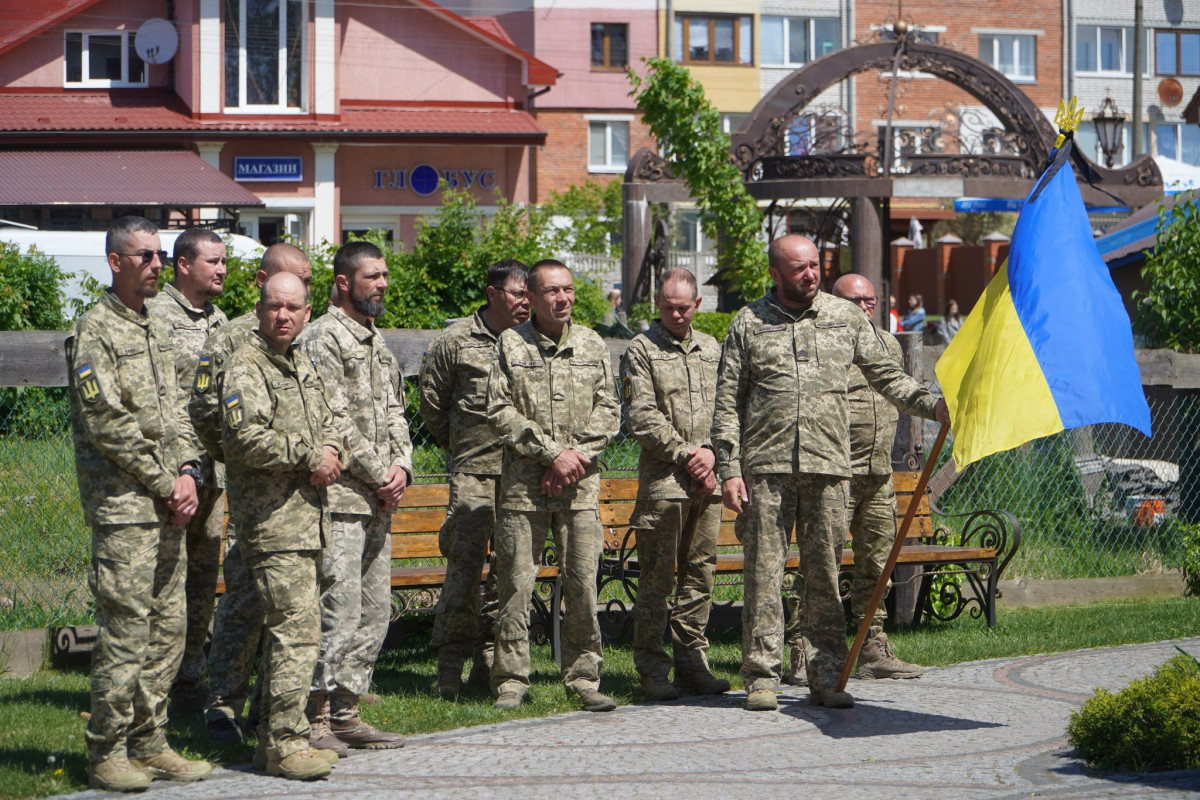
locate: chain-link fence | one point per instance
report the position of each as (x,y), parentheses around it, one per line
(1092,502)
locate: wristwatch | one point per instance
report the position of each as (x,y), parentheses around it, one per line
(196,474)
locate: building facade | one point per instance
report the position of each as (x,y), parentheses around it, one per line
(337,116)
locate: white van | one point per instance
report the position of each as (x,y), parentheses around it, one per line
(83,251)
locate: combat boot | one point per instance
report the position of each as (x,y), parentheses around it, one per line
(348,726)
(116,774)
(170,766)
(699,680)
(878,661)
(658,689)
(449,677)
(593,700)
(302,765)
(762,700)
(830,698)
(321,737)
(799,666)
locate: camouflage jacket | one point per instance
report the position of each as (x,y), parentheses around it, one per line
(274,422)
(454,380)
(190,328)
(544,397)
(781,391)
(204,405)
(355,359)
(131,433)
(669,387)
(872,418)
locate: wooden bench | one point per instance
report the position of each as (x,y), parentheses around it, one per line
(974,552)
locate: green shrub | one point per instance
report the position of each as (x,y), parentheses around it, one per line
(1154,724)
(714,323)
(1191,559)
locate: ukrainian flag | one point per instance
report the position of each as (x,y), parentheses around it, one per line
(1049,345)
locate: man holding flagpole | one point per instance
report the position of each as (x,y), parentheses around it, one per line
(781,431)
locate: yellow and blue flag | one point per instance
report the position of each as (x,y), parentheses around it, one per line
(1049,345)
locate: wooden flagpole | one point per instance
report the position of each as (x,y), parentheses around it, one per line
(882,585)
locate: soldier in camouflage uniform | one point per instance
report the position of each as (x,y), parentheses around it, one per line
(138,467)
(185,307)
(669,379)
(238,621)
(454,376)
(281,451)
(350,354)
(551,400)
(781,433)
(872,512)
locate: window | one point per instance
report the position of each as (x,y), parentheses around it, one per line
(926,34)
(610,45)
(264,54)
(911,140)
(1179,141)
(793,41)
(608,145)
(1177,52)
(810,134)
(1011,54)
(732,122)
(713,39)
(1105,49)
(102,59)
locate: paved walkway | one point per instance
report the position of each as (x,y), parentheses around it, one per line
(989,729)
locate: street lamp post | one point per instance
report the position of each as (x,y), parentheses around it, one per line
(1109,121)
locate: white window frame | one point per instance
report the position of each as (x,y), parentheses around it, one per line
(1126,45)
(607,120)
(88,82)
(808,23)
(276,108)
(1179,127)
(1016,38)
(904,73)
(900,165)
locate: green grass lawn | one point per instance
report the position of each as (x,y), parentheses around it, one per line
(41,729)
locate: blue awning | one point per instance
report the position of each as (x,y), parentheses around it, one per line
(968,205)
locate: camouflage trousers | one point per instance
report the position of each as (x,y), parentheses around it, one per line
(237,630)
(203,563)
(356,601)
(872,515)
(816,506)
(287,589)
(519,538)
(136,577)
(671,533)
(465,621)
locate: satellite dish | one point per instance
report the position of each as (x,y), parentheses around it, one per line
(156,41)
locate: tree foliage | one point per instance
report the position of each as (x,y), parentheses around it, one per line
(592,216)
(31,290)
(688,129)
(1168,312)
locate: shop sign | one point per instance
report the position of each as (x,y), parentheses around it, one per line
(267,168)
(423,179)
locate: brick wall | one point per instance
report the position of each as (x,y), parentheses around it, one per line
(563,160)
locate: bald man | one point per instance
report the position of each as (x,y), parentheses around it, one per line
(782,438)
(872,510)
(238,621)
(282,451)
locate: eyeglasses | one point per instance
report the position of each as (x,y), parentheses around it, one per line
(147,255)
(522,293)
(864,301)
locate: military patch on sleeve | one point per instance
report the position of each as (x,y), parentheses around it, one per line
(86,383)
(233,412)
(203,375)
(626,386)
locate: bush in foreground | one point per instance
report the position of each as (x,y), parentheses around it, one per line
(1153,724)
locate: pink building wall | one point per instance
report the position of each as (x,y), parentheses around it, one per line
(564,39)
(358,168)
(38,63)
(187,61)
(410,54)
(273,147)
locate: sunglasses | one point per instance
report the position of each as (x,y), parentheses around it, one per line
(147,255)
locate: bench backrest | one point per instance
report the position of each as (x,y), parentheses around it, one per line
(617,496)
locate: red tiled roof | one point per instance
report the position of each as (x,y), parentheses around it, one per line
(116,177)
(151,111)
(21,20)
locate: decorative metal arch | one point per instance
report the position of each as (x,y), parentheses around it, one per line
(766,128)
